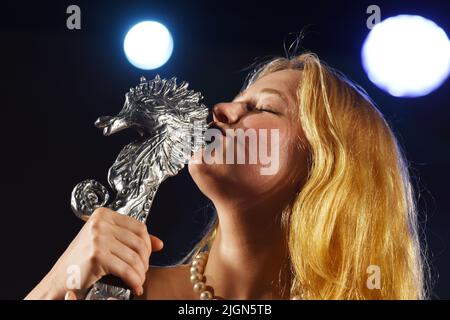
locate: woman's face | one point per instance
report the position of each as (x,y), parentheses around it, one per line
(256,153)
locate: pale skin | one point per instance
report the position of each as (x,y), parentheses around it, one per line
(248,251)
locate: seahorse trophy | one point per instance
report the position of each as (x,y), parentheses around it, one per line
(171,121)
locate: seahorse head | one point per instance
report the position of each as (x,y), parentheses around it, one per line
(155,104)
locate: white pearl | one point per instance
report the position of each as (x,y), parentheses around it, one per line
(196,269)
(202,259)
(201,255)
(199,287)
(198,263)
(206,295)
(196,278)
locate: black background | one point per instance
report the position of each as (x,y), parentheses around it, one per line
(56,82)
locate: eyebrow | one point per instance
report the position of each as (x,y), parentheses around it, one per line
(266,90)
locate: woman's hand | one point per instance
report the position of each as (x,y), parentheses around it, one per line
(70,295)
(109,243)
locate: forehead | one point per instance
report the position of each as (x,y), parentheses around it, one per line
(280,79)
(283,81)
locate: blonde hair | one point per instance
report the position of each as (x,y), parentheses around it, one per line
(356,210)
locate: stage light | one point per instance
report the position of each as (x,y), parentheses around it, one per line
(148,45)
(407,56)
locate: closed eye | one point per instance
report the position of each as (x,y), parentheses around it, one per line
(266,110)
(251,107)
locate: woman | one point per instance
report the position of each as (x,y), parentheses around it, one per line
(336,220)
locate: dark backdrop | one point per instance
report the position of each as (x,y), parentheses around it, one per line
(57,82)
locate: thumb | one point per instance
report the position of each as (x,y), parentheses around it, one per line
(70,295)
(157,243)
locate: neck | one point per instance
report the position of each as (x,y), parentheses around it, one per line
(247,254)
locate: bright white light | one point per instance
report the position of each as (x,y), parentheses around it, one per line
(407,56)
(148,45)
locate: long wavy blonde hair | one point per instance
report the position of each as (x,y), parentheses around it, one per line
(356,213)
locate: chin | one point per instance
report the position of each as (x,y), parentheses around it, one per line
(213,180)
(224,181)
(206,176)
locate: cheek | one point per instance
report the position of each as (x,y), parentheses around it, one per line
(273,175)
(274,157)
(274,153)
(287,162)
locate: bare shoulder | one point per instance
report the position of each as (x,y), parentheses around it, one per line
(168,283)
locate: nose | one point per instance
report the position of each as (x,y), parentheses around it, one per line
(229,112)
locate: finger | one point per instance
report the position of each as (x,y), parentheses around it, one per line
(70,295)
(127,273)
(134,242)
(131,257)
(139,228)
(157,243)
(126,222)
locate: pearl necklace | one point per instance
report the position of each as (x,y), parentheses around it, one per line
(197,269)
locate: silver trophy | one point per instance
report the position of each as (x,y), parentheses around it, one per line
(171,121)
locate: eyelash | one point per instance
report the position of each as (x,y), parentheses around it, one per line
(267,110)
(252,107)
